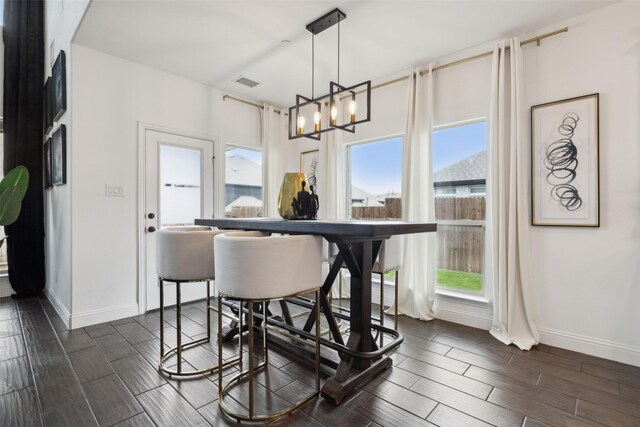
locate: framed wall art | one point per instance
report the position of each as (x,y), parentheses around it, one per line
(59,156)
(47,164)
(48,114)
(59,81)
(309,166)
(564,163)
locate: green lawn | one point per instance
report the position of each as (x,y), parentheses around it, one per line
(459,280)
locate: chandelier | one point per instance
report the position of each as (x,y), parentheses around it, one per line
(344,113)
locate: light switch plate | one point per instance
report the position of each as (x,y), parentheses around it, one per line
(114,190)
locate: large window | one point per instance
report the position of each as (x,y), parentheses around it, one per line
(460,164)
(374,179)
(242,183)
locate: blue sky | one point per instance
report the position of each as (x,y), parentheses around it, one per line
(376,167)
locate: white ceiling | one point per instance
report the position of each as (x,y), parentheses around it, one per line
(214,42)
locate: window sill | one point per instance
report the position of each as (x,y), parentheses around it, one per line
(480,299)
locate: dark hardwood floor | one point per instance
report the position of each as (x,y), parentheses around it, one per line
(444,374)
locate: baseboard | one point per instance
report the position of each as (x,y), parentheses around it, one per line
(109,314)
(593,346)
(463,317)
(59,307)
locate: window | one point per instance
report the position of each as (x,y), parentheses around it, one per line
(374,178)
(242,183)
(459,164)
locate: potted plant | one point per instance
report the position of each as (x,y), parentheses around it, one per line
(13,187)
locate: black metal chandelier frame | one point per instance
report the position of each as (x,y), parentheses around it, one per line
(337,92)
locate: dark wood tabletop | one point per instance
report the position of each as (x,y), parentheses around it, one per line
(352,227)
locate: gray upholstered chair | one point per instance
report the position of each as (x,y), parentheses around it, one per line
(251,268)
(184,255)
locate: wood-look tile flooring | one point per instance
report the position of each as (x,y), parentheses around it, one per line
(444,374)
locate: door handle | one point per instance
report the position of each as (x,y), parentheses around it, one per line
(151,229)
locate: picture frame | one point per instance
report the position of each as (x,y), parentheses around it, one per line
(48,114)
(59,156)
(59,83)
(47,164)
(565,173)
(309,161)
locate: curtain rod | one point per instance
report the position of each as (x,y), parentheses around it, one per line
(464,60)
(423,72)
(224,98)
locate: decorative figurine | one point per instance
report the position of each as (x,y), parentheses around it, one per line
(305,206)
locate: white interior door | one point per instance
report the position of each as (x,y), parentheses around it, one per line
(178,189)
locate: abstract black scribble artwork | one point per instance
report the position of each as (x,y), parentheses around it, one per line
(311,176)
(561,161)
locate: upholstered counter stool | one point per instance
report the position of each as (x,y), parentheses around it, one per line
(254,268)
(184,255)
(389,260)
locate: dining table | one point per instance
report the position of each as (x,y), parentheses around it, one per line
(358,243)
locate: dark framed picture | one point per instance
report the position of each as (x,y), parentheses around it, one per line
(59,156)
(59,81)
(564,155)
(47,164)
(48,114)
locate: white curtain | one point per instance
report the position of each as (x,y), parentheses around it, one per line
(273,133)
(333,189)
(507,259)
(416,290)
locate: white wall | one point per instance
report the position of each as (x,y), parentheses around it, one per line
(111,96)
(588,279)
(61,22)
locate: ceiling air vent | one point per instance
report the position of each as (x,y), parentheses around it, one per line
(247,82)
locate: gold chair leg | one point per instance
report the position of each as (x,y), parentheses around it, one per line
(161,282)
(179,328)
(318,341)
(381,307)
(208,312)
(395,304)
(250,326)
(220,347)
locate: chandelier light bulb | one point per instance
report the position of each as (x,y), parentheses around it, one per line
(334,113)
(301,122)
(353,107)
(316,121)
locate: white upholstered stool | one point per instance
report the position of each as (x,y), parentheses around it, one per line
(184,254)
(389,259)
(252,267)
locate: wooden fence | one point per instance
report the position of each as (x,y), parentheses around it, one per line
(460,246)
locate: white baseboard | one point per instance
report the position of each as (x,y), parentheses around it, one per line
(463,318)
(59,306)
(593,346)
(109,314)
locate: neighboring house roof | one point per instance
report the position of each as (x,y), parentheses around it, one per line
(244,201)
(242,171)
(473,168)
(360,197)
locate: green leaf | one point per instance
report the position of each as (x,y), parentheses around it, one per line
(10,203)
(17,177)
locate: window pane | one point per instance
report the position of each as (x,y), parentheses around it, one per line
(460,164)
(375,179)
(180,185)
(243,183)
